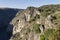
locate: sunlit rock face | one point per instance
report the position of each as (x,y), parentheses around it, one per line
(31,12)
(20,23)
(18,26)
(48,22)
(32,22)
(23,23)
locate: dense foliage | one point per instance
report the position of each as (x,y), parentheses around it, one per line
(49,9)
(36,28)
(54,10)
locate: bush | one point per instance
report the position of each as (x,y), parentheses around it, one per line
(57,36)
(42,37)
(36,28)
(58,15)
(44,14)
(48,32)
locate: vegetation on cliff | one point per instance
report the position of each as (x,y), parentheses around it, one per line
(42,22)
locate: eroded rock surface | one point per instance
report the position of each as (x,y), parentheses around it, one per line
(30,23)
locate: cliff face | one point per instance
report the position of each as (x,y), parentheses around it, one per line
(24,22)
(32,22)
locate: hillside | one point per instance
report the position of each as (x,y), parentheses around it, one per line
(36,23)
(42,23)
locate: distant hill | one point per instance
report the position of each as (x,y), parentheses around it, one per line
(6,15)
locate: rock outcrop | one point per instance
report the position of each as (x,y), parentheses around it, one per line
(23,21)
(31,22)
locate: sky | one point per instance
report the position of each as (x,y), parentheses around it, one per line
(22,4)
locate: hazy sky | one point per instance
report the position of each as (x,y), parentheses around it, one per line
(26,3)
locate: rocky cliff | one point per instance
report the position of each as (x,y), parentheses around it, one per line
(36,23)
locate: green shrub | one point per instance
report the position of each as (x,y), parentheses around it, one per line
(42,37)
(57,36)
(36,28)
(58,15)
(45,14)
(48,32)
